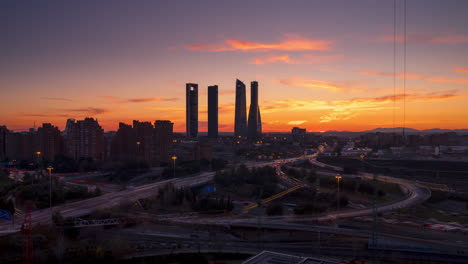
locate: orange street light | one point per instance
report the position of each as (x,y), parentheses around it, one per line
(338,178)
(50,168)
(38,153)
(174,158)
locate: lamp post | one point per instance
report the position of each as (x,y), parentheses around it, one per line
(338,178)
(174,158)
(137,156)
(38,153)
(138,149)
(50,168)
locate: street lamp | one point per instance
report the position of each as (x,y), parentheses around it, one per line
(338,178)
(174,158)
(138,148)
(38,153)
(137,156)
(50,168)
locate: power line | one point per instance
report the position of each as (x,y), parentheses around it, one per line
(394,61)
(404,68)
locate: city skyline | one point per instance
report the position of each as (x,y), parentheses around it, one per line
(316,73)
(248,131)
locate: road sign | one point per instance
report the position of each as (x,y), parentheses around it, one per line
(5,215)
(210,189)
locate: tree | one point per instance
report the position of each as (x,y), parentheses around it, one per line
(274,209)
(366,187)
(97,191)
(218,164)
(204,164)
(344,201)
(64,164)
(310,208)
(349,170)
(57,218)
(7,205)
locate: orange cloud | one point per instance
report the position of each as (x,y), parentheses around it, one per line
(306,59)
(315,84)
(296,122)
(165,108)
(43,115)
(348,109)
(117,100)
(89,110)
(460,70)
(153,99)
(421,38)
(412,76)
(271,59)
(290,43)
(336,116)
(226,108)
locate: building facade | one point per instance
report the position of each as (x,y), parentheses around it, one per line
(298,134)
(213,111)
(254,121)
(240,118)
(123,144)
(50,141)
(191,108)
(21,146)
(164,135)
(144,141)
(3,134)
(85,139)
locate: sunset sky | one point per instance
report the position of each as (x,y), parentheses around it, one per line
(322,65)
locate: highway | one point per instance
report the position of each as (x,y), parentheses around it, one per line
(85,207)
(415,195)
(155,243)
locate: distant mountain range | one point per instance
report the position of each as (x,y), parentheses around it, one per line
(397,130)
(408,131)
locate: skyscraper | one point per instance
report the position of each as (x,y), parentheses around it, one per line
(255,121)
(191,116)
(213,111)
(240,119)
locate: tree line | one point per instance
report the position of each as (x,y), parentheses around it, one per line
(254,182)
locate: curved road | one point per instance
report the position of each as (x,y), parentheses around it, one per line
(415,195)
(84,207)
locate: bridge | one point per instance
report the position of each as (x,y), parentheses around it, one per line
(271,198)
